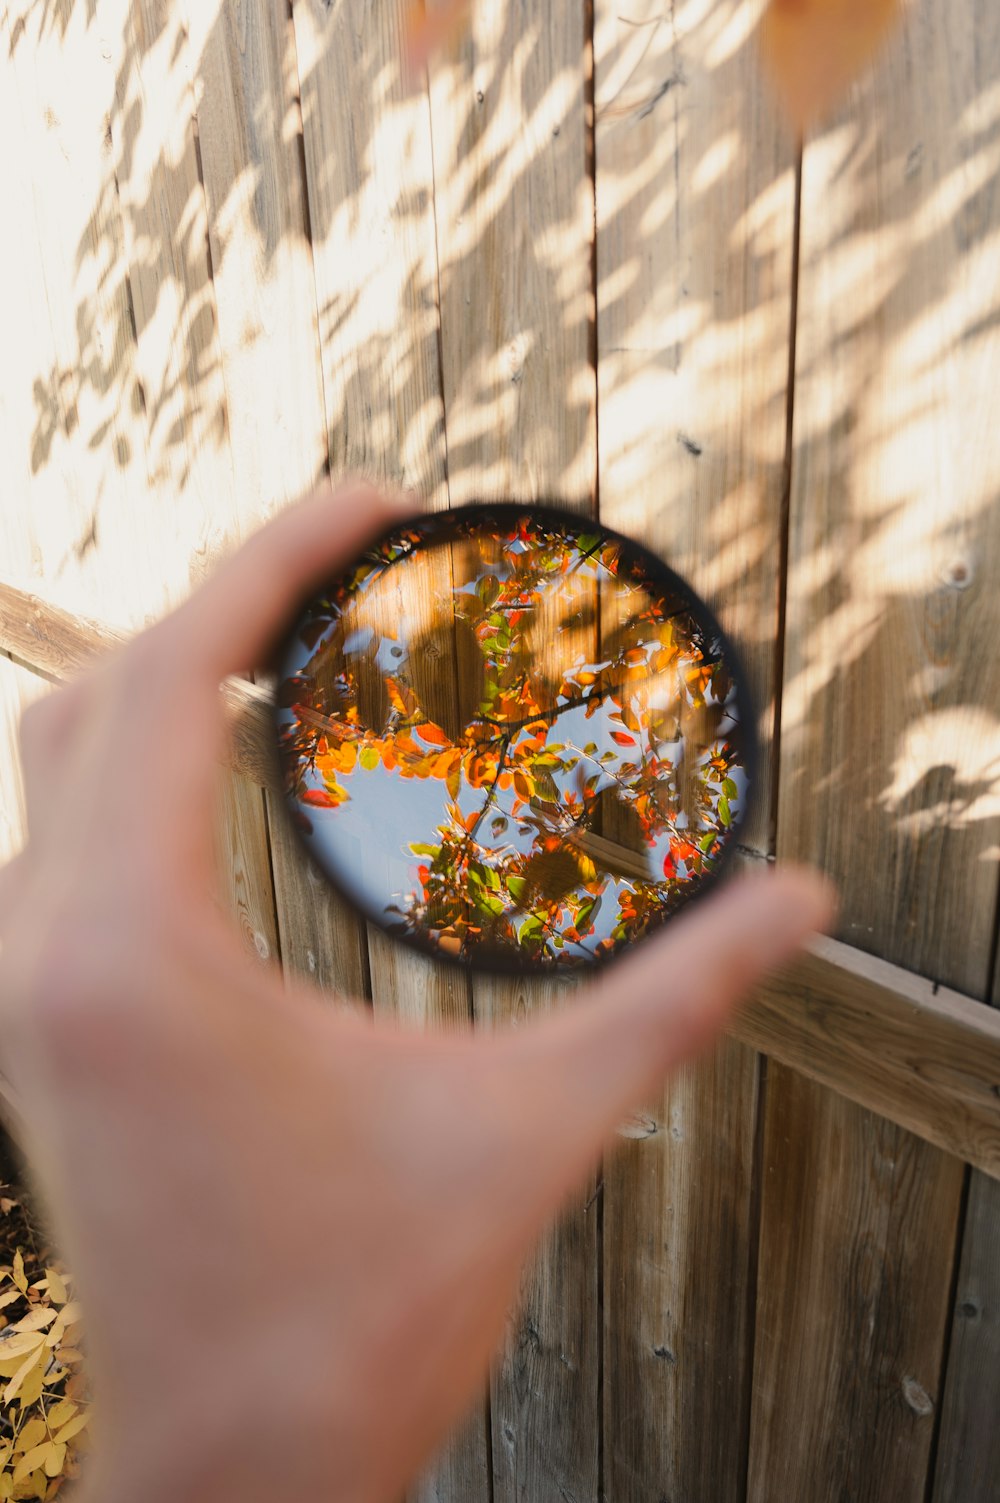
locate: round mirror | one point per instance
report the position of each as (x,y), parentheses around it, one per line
(513,738)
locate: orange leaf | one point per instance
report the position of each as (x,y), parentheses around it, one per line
(523,785)
(400,697)
(816,48)
(425,31)
(433,733)
(319,797)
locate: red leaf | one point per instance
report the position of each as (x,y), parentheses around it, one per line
(669,867)
(319,797)
(622,738)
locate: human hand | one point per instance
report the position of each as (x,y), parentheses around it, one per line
(166,1080)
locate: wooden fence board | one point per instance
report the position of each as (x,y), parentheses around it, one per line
(968,1449)
(513,208)
(245,82)
(968,1453)
(107,139)
(920,1054)
(695,220)
(888,736)
(370,191)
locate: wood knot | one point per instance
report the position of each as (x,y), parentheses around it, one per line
(917,1397)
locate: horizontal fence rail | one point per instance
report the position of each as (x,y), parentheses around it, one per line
(925,1057)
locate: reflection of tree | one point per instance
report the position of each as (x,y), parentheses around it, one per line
(567,824)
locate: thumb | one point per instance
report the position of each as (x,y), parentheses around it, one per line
(671,999)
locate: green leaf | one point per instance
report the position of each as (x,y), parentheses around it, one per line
(706,842)
(369,758)
(518,888)
(730,789)
(724,813)
(488,589)
(424,850)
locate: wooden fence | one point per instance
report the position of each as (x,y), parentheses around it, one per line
(585,261)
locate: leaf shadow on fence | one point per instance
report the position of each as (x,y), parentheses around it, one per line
(452,334)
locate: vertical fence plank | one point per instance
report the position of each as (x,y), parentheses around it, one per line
(128,494)
(968,1448)
(968,1454)
(371,205)
(888,742)
(245,81)
(695,222)
(514,207)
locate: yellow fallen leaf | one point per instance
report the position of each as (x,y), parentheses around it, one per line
(37,1320)
(61,1413)
(58,1292)
(30,1362)
(17,1272)
(31,1388)
(9,1297)
(816,48)
(73,1428)
(31,1434)
(55,1461)
(16,1346)
(35,1458)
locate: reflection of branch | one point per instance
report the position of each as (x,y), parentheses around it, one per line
(491,797)
(512,726)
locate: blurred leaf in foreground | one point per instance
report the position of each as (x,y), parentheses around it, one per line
(431,26)
(816,48)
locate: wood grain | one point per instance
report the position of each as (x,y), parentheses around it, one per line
(245,83)
(370,183)
(968,1449)
(920,1054)
(513,210)
(888,769)
(695,219)
(968,1455)
(133,403)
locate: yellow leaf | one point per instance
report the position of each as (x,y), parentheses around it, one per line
(73,1428)
(6,1486)
(31,1434)
(71,1313)
(58,1292)
(16,1346)
(17,1273)
(10,1297)
(37,1320)
(60,1413)
(55,1460)
(31,1388)
(35,1458)
(29,1362)
(815,49)
(6,1450)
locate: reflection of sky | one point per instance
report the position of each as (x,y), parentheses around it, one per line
(365,841)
